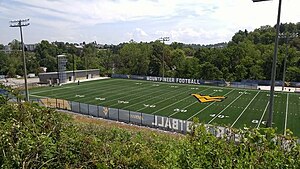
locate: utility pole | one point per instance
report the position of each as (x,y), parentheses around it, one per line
(163,61)
(286,36)
(273,76)
(73,68)
(20,23)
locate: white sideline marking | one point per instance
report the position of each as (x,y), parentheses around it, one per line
(226,107)
(286,113)
(244,109)
(207,106)
(173,103)
(263,115)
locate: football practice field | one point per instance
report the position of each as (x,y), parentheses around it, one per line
(239,108)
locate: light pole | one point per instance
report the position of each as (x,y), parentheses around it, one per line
(271,105)
(20,23)
(73,68)
(164,39)
(286,36)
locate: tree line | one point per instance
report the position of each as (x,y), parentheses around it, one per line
(247,56)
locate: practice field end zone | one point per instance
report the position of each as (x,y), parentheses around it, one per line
(233,107)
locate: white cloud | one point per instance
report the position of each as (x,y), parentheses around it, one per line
(114,21)
(190,35)
(137,35)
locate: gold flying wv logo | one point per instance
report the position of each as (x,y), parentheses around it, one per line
(205,98)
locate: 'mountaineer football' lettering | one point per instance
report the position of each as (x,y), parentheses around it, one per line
(205,99)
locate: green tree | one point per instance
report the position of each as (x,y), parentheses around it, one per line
(178,62)
(134,59)
(210,72)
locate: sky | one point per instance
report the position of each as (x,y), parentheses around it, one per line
(117,21)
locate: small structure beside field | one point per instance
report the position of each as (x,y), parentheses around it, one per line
(70,76)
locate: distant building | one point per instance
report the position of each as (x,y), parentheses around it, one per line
(58,43)
(51,77)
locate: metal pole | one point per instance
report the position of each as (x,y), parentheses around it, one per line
(164,39)
(24,64)
(20,23)
(271,105)
(73,69)
(284,65)
(163,60)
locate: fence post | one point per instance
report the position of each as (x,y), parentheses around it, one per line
(88,109)
(129,116)
(118,115)
(98,111)
(79,107)
(141,119)
(108,113)
(154,120)
(56,102)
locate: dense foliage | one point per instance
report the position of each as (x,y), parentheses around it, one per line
(247,56)
(39,137)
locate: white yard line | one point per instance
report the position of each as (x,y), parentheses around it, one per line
(263,115)
(133,93)
(201,110)
(198,101)
(286,113)
(169,98)
(244,109)
(206,107)
(174,102)
(143,101)
(225,108)
(141,97)
(183,108)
